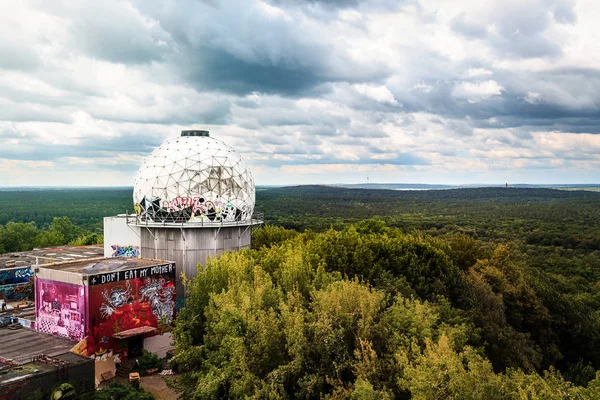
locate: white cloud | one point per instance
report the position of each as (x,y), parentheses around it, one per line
(440,92)
(378,93)
(477,72)
(477,91)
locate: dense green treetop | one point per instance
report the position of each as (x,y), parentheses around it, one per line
(372,312)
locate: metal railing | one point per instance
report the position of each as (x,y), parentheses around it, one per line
(257,219)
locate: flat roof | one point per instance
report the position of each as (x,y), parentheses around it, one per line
(21,345)
(25,312)
(50,255)
(104,265)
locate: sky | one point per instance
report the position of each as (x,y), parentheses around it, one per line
(307,91)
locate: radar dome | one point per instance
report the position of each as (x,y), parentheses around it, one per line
(194,178)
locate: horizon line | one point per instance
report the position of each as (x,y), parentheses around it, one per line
(322,184)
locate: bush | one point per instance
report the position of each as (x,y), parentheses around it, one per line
(148,361)
(116,390)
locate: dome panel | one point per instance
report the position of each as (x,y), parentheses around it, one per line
(194,179)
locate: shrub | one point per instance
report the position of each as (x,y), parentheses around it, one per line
(148,361)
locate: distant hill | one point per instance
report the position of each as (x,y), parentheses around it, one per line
(422,186)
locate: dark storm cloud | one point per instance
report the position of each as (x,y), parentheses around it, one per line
(558,99)
(219,70)
(237,47)
(303,72)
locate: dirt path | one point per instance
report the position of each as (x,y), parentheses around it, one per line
(156,385)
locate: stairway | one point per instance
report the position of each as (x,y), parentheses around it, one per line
(125,368)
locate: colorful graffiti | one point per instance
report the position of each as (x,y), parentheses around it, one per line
(123,300)
(20,291)
(191,209)
(125,251)
(23,273)
(60,308)
(15,275)
(117,298)
(161,298)
(14,283)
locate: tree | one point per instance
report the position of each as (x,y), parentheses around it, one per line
(349,314)
(119,391)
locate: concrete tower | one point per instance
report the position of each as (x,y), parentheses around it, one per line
(194,197)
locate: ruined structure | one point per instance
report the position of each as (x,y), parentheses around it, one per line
(193,198)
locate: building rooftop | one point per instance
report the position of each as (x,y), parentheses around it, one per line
(104,265)
(19,347)
(50,255)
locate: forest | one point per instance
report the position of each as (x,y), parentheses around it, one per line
(467,294)
(370,312)
(374,294)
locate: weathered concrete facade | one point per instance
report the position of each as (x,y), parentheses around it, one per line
(188,246)
(185,244)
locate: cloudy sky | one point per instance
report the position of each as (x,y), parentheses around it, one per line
(308,91)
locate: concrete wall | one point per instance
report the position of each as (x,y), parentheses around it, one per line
(102,366)
(159,344)
(118,234)
(58,275)
(190,246)
(80,375)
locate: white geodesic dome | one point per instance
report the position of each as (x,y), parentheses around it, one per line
(194,178)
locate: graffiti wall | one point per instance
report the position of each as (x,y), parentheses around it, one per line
(192,209)
(60,308)
(125,251)
(15,275)
(20,291)
(14,283)
(123,300)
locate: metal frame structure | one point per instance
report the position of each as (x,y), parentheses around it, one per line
(194,179)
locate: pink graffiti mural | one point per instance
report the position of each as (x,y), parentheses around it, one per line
(60,308)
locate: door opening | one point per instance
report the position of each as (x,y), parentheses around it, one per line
(135,345)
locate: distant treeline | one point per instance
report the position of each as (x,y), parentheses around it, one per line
(547,217)
(84,207)
(33,218)
(540,216)
(556,230)
(21,236)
